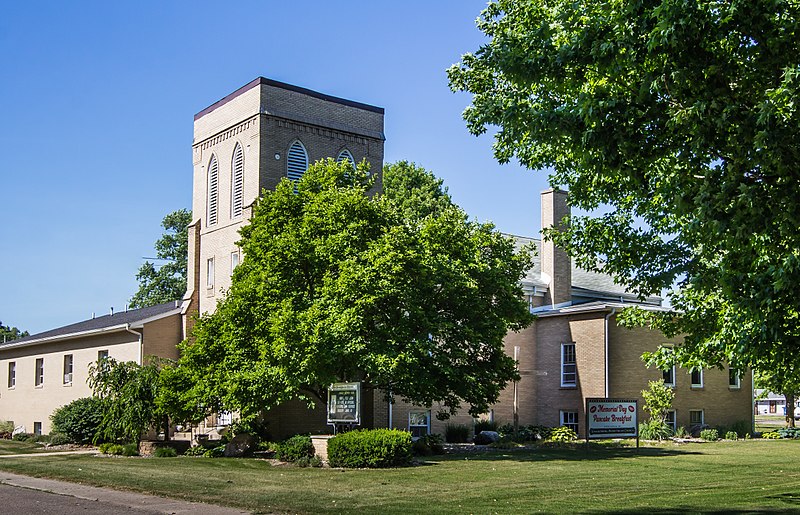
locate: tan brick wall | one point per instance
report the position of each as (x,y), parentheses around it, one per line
(160,337)
(556,264)
(629,376)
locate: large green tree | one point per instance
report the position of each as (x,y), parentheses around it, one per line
(167,282)
(682,119)
(398,290)
(8,333)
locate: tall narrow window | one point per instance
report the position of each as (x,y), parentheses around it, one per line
(697,378)
(345,155)
(569,373)
(234,261)
(669,376)
(297,161)
(12,374)
(39,381)
(670,420)
(68,369)
(213,190)
(37,428)
(210,273)
(734,381)
(237,181)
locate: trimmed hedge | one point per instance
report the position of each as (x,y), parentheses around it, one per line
(295,449)
(370,448)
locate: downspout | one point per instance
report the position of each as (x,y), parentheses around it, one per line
(608,316)
(141,349)
(391,405)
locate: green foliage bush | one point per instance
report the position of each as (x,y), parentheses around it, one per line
(741,427)
(165,452)
(294,448)
(789,432)
(731,435)
(79,420)
(112,448)
(681,432)
(215,452)
(371,448)
(711,435)
(6,426)
(58,439)
(772,435)
(486,425)
(456,433)
(197,450)
(654,429)
(309,461)
(130,449)
(563,434)
(23,437)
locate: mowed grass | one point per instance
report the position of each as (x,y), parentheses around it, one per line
(722,477)
(14,447)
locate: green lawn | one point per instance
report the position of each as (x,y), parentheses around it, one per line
(14,447)
(753,476)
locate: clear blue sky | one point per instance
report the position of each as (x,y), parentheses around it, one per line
(96,123)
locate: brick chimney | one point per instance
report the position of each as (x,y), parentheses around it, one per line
(556,264)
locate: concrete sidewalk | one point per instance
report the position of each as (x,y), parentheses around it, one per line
(128,500)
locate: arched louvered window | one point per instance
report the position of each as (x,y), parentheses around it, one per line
(213,190)
(297,161)
(237,181)
(345,155)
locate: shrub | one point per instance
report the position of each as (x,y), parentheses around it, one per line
(309,461)
(130,449)
(197,450)
(789,432)
(731,435)
(112,448)
(79,420)
(6,426)
(711,435)
(654,429)
(456,433)
(58,439)
(681,432)
(741,427)
(215,452)
(772,435)
(563,434)
(165,452)
(23,437)
(485,425)
(541,432)
(295,448)
(371,448)
(505,442)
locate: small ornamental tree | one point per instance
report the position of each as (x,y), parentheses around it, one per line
(658,400)
(129,392)
(399,290)
(80,420)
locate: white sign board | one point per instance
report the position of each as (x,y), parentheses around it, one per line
(611,418)
(344,403)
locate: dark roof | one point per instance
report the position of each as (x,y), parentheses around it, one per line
(93,324)
(289,87)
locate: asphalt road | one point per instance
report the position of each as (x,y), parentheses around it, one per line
(15,499)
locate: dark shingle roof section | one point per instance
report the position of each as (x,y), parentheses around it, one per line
(289,87)
(124,317)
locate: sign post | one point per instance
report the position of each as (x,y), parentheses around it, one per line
(611,418)
(344,404)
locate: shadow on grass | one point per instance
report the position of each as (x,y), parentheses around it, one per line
(595,452)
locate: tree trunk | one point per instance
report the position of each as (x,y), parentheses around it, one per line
(789,409)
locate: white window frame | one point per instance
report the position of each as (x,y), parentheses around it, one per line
(674,422)
(237,182)
(566,383)
(737,384)
(68,368)
(38,381)
(212,193)
(210,273)
(234,261)
(702,417)
(691,378)
(570,419)
(426,426)
(670,371)
(12,374)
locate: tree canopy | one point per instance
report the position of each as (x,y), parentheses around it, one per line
(681,118)
(398,290)
(8,333)
(166,282)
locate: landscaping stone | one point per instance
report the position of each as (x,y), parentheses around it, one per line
(240,445)
(492,435)
(148,447)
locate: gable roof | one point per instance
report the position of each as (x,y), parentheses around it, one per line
(134,318)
